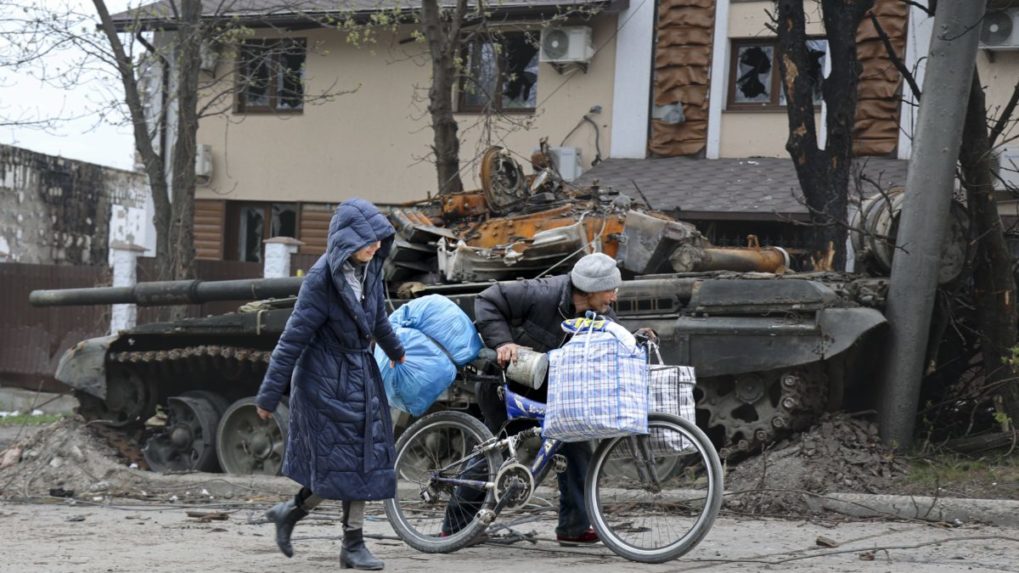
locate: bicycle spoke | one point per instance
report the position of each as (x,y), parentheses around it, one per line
(438,448)
(655,495)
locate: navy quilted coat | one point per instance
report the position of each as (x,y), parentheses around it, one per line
(340,438)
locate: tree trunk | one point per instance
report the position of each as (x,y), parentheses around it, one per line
(151,159)
(442,32)
(823,174)
(993,283)
(188,52)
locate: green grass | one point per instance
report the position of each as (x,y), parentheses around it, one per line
(28,420)
(984,476)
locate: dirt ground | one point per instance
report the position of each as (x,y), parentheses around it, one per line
(844,454)
(67,504)
(118,535)
(840,454)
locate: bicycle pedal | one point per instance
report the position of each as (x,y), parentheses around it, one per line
(560,463)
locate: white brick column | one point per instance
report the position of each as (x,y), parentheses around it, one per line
(918,43)
(125,273)
(718,86)
(631,90)
(277,256)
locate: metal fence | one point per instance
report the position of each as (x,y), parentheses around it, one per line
(32,339)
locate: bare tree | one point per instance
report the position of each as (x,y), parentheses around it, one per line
(174,220)
(168,41)
(994,288)
(823,173)
(442,29)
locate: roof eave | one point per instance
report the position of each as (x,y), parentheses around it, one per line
(314,19)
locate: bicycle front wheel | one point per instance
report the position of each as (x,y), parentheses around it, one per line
(667,499)
(429,514)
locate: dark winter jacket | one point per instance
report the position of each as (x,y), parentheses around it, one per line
(528,312)
(339,441)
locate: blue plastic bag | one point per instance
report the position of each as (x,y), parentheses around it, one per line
(440,318)
(414,385)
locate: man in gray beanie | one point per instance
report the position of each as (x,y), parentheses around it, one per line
(529,313)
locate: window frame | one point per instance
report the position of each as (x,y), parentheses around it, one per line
(461,92)
(776,76)
(240,88)
(232,226)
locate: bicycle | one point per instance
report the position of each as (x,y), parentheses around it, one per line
(639,511)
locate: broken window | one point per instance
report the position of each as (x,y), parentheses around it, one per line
(755,80)
(253,223)
(270,76)
(500,73)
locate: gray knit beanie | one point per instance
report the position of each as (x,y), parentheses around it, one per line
(596,273)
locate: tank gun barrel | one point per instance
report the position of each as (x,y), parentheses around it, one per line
(170,292)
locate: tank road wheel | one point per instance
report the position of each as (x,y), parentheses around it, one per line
(246,444)
(748,411)
(188,441)
(129,398)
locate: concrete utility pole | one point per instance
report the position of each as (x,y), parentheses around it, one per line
(924,220)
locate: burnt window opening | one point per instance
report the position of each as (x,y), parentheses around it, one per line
(270,76)
(755,80)
(500,73)
(249,224)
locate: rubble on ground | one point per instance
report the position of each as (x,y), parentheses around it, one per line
(839,454)
(70,459)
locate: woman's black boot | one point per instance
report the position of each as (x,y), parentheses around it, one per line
(354,554)
(285,515)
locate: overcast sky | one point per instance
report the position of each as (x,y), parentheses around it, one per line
(88,137)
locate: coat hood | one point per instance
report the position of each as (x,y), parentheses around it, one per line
(357,224)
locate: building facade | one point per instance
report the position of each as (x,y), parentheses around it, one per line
(683,81)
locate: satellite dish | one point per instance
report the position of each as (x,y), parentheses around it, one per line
(996,29)
(555,44)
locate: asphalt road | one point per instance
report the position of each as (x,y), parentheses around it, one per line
(130,536)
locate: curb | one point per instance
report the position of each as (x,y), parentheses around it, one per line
(998,512)
(27,400)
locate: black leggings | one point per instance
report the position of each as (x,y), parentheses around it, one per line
(353,510)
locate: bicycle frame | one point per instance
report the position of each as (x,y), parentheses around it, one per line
(517,408)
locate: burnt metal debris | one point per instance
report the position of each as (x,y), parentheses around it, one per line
(520,225)
(772,349)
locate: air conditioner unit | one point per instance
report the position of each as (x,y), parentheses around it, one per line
(567,162)
(1000,30)
(566,45)
(203,163)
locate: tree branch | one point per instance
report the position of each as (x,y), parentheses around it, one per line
(894,58)
(1006,115)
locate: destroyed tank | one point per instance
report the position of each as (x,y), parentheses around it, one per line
(770,353)
(772,349)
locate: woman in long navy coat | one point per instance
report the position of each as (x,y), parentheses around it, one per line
(340,438)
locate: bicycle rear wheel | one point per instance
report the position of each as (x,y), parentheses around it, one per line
(440,445)
(648,515)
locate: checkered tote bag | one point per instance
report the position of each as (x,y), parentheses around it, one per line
(671,393)
(598,386)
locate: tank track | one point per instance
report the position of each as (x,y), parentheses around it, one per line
(227,361)
(756,409)
(242,356)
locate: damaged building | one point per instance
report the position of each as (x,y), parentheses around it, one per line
(61,211)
